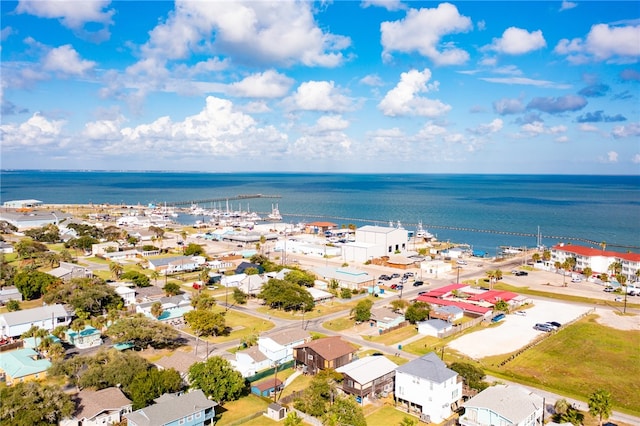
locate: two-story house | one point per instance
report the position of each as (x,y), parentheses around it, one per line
(278,347)
(93,408)
(13,324)
(371,375)
(189,409)
(503,405)
(329,352)
(426,386)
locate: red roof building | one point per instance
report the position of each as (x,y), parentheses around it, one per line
(469,308)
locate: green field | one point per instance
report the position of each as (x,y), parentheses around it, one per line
(578,360)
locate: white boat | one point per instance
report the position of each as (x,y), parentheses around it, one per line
(275,213)
(423,233)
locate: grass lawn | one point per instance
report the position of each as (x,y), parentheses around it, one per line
(242,325)
(395,336)
(578,360)
(244,407)
(318,311)
(387,415)
(339,324)
(25,304)
(300,383)
(396,359)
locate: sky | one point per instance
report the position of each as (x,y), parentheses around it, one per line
(332,86)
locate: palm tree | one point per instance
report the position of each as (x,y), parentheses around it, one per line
(603,245)
(491,274)
(116,269)
(546,255)
(536,257)
(155,275)
(600,404)
(156,309)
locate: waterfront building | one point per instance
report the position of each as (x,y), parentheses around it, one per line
(597,259)
(375,241)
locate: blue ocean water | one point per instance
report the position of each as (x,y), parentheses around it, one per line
(459,208)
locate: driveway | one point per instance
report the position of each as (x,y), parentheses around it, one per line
(516,331)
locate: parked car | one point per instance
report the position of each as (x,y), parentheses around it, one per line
(461,262)
(420,293)
(385,277)
(394,286)
(556,324)
(395,275)
(400,287)
(543,327)
(521,274)
(521,313)
(408,274)
(418,283)
(609,289)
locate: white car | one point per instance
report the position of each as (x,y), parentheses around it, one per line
(521,313)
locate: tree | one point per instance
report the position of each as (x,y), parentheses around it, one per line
(142,332)
(362,311)
(587,272)
(345,411)
(34,404)
(13,305)
(138,278)
(293,419)
(407,421)
(473,376)
(27,248)
(316,397)
(203,301)
(345,293)
(171,289)
(116,269)
(46,234)
(281,294)
(152,383)
(299,277)
(205,322)
(399,305)
(91,295)
(194,249)
(600,404)
(156,309)
(239,296)
(536,257)
(218,379)
(501,305)
(32,284)
(416,312)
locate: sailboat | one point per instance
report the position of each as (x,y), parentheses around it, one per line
(275,213)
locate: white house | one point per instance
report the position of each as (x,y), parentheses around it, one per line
(128,295)
(435,268)
(347,277)
(172,265)
(251,360)
(278,347)
(503,405)
(375,241)
(13,324)
(434,327)
(67,271)
(425,385)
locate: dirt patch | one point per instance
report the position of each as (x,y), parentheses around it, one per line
(614,319)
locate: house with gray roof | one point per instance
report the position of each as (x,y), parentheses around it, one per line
(434,327)
(179,361)
(105,406)
(347,277)
(427,387)
(9,293)
(13,324)
(278,346)
(386,318)
(33,218)
(67,271)
(371,375)
(251,360)
(188,409)
(503,405)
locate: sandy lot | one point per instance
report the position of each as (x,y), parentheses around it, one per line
(516,331)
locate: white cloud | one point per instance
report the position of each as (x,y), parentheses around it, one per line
(404,99)
(603,43)
(508,106)
(538,128)
(421,31)
(635,159)
(318,96)
(372,80)
(33,134)
(612,157)
(516,41)
(586,127)
(390,5)
(328,123)
(566,5)
(65,59)
(485,129)
(268,84)
(629,130)
(282,32)
(526,82)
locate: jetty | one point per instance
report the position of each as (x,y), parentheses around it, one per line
(220,199)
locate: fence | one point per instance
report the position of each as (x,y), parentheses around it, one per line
(290,398)
(270,371)
(246,419)
(461,327)
(395,327)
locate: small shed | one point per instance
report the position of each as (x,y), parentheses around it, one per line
(267,387)
(276,411)
(434,327)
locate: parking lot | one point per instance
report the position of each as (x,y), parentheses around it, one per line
(516,331)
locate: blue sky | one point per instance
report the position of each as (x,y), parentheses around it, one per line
(342,86)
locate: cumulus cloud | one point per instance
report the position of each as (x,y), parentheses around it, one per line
(600,116)
(372,80)
(558,105)
(329,123)
(538,128)
(5,33)
(603,43)
(516,41)
(421,31)
(588,128)
(282,32)
(65,59)
(34,134)
(74,15)
(506,106)
(629,130)
(635,159)
(268,84)
(595,90)
(405,99)
(485,129)
(612,157)
(318,96)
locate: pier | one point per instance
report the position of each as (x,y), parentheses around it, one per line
(217,200)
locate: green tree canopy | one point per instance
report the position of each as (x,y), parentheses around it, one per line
(316,397)
(362,311)
(142,332)
(206,322)
(299,277)
(501,305)
(417,311)
(171,289)
(81,243)
(152,383)
(218,379)
(239,296)
(27,248)
(472,375)
(194,249)
(345,411)
(89,295)
(600,404)
(138,278)
(33,284)
(45,234)
(34,404)
(203,301)
(281,294)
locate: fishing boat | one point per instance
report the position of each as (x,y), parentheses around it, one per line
(275,213)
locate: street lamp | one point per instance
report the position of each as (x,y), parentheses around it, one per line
(458,276)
